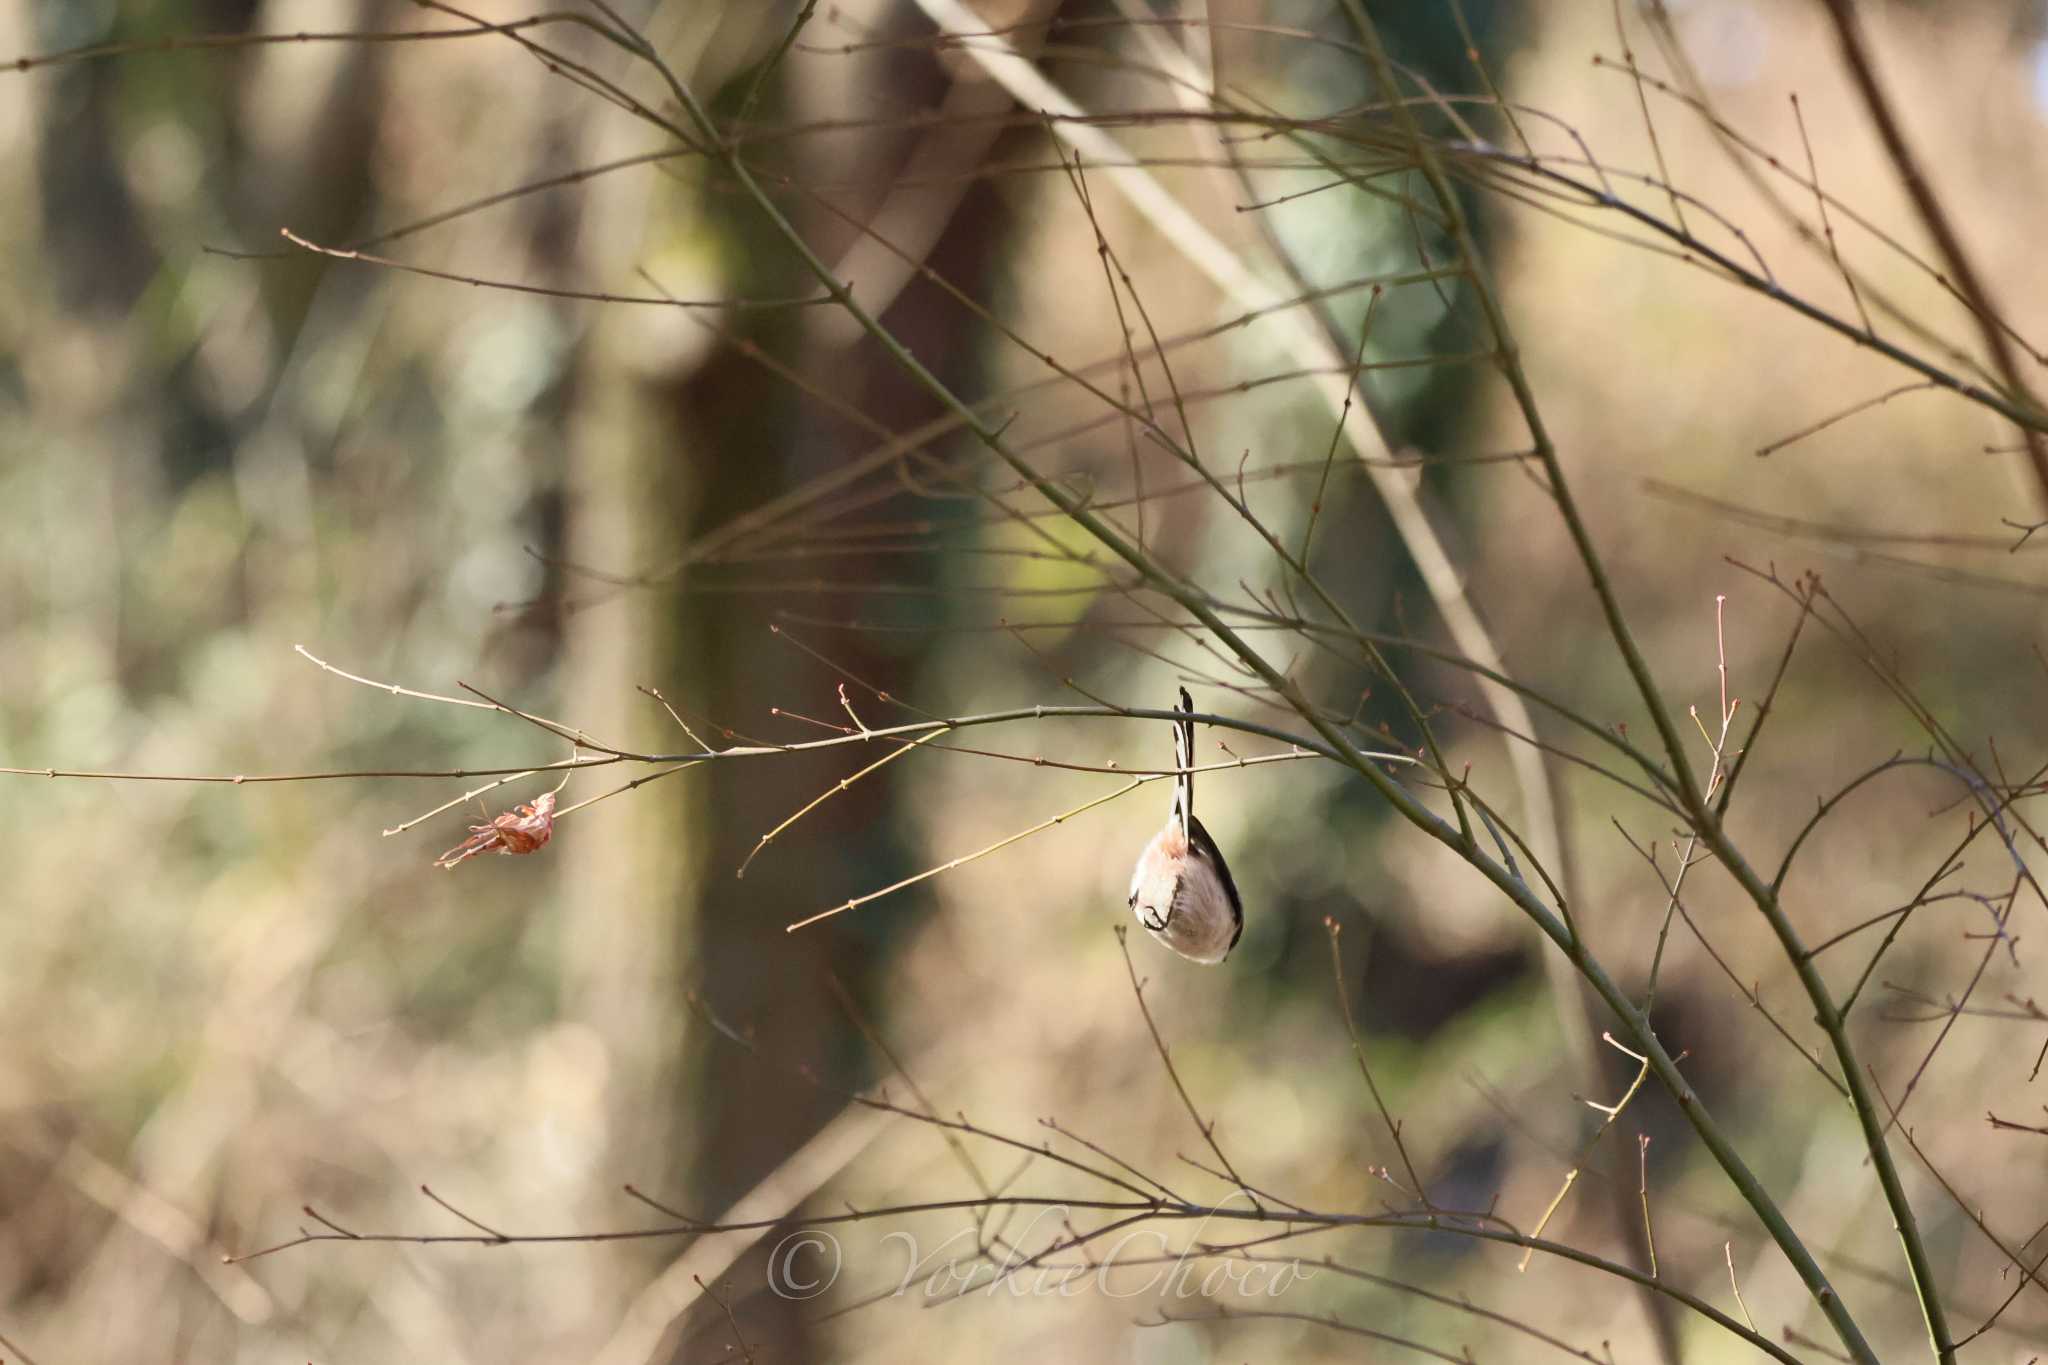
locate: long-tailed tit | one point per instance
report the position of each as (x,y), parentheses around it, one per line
(1181,889)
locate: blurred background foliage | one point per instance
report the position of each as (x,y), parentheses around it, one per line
(222,1003)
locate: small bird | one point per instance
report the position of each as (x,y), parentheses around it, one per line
(1181,889)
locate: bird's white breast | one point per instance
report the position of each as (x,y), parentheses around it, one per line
(1180,901)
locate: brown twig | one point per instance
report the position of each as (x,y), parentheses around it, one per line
(1862,70)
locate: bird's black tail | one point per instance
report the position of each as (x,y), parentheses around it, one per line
(1184,759)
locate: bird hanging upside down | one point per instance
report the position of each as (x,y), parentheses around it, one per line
(1181,889)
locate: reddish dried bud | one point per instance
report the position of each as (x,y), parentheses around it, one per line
(523,829)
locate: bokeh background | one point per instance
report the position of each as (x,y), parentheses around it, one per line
(223,1003)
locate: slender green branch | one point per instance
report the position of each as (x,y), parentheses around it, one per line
(1695,800)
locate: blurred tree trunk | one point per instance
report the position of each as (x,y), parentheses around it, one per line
(630,878)
(655,908)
